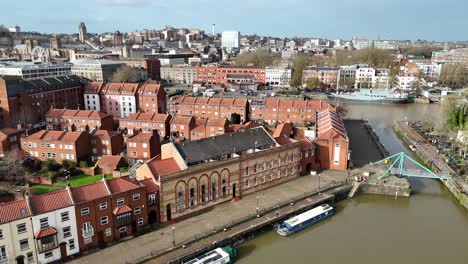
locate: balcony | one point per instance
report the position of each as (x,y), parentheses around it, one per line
(87,232)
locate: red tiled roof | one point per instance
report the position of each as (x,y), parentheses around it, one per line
(50,201)
(161,167)
(13,211)
(217,122)
(48,231)
(144,136)
(90,192)
(283,129)
(119,185)
(181,120)
(122,210)
(109,161)
(150,186)
(327,121)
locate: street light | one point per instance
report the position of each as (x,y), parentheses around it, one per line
(173,236)
(319,181)
(257,205)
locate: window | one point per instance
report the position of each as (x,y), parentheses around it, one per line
(102,206)
(271,164)
(1,233)
(124,220)
(140,221)
(255,181)
(21,228)
(24,244)
(120,201)
(247,183)
(247,171)
(151,199)
(30,257)
(137,210)
(44,222)
(136,197)
(255,168)
(71,244)
(336,155)
(66,232)
(85,211)
(122,229)
(104,220)
(3,254)
(108,232)
(48,254)
(264,166)
(65,217)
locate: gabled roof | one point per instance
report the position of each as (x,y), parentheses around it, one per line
(50,201)
(106,134)
(329,120)
(144,137)
(122,210)
(45,232)
(182,120)
(150,186)
(8,131)
(160,167)
(109,161)
(119,185)
(49,135)
(13,211)
(90,192)
(71,113)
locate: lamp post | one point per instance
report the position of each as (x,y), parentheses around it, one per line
(319,181)
(257,206)
(173,236)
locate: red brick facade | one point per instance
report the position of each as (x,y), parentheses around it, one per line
(78,120)
(143,146)
(146,122)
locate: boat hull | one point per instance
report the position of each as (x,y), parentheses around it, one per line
(376,101)
(284,233)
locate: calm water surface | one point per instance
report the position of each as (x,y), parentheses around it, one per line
(430,227)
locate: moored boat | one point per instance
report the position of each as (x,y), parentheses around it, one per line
(374,96)
(225,255)
(305,219)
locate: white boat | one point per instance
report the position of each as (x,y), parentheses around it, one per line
(305,219)
(219,255)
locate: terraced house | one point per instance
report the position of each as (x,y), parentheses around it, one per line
(146,122)
(78,120)
(54,226)
(16,233)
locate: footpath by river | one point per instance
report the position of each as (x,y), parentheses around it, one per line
(430,227)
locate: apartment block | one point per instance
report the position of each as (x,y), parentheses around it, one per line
(143,146)
(26,102)
(326,75)
(152,98)
(286,110)
(104,142)
(57,145)
(178,74)
(91,93)
(119,99)
(146,122)
(78,120)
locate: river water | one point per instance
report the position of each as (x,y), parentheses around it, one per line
(430,227)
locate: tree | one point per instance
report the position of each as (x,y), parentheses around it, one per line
(235,118)
(461,118)
(314,83)
(262,58)
(125,74)
(393,76)
(300,62)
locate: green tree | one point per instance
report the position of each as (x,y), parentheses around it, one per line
(262,58)
(461,118)
(125,74)
(314,83)
(235,118)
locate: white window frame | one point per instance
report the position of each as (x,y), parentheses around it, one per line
(120,201)
(103,206)
(140,222)
(84,211)
(136,196)
(104,220)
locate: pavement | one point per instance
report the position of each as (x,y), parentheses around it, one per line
(215,219)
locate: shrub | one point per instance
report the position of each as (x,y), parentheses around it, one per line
(83,164)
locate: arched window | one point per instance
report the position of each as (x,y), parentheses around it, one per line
(180,199)
(264,166)
(203,192)
(192,195)
(213,189)
(223,187)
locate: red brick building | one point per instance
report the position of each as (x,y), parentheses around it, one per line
(143,146)
(286,110)
(26,102)
(209,128)
(212,108)
(212,75)
(181,127)
(153,68)
(207,74)
(152,98)
(78,120)
(10,140)
(57,145)
(328,76)
(111,209)
(105,142)
(332,142)
(146,122)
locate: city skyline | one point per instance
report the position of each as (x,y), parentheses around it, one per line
(331,19)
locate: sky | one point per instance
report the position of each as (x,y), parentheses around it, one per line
(396,19)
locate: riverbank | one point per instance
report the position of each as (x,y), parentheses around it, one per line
(429,155)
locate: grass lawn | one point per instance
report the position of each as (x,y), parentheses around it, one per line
(75,181)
